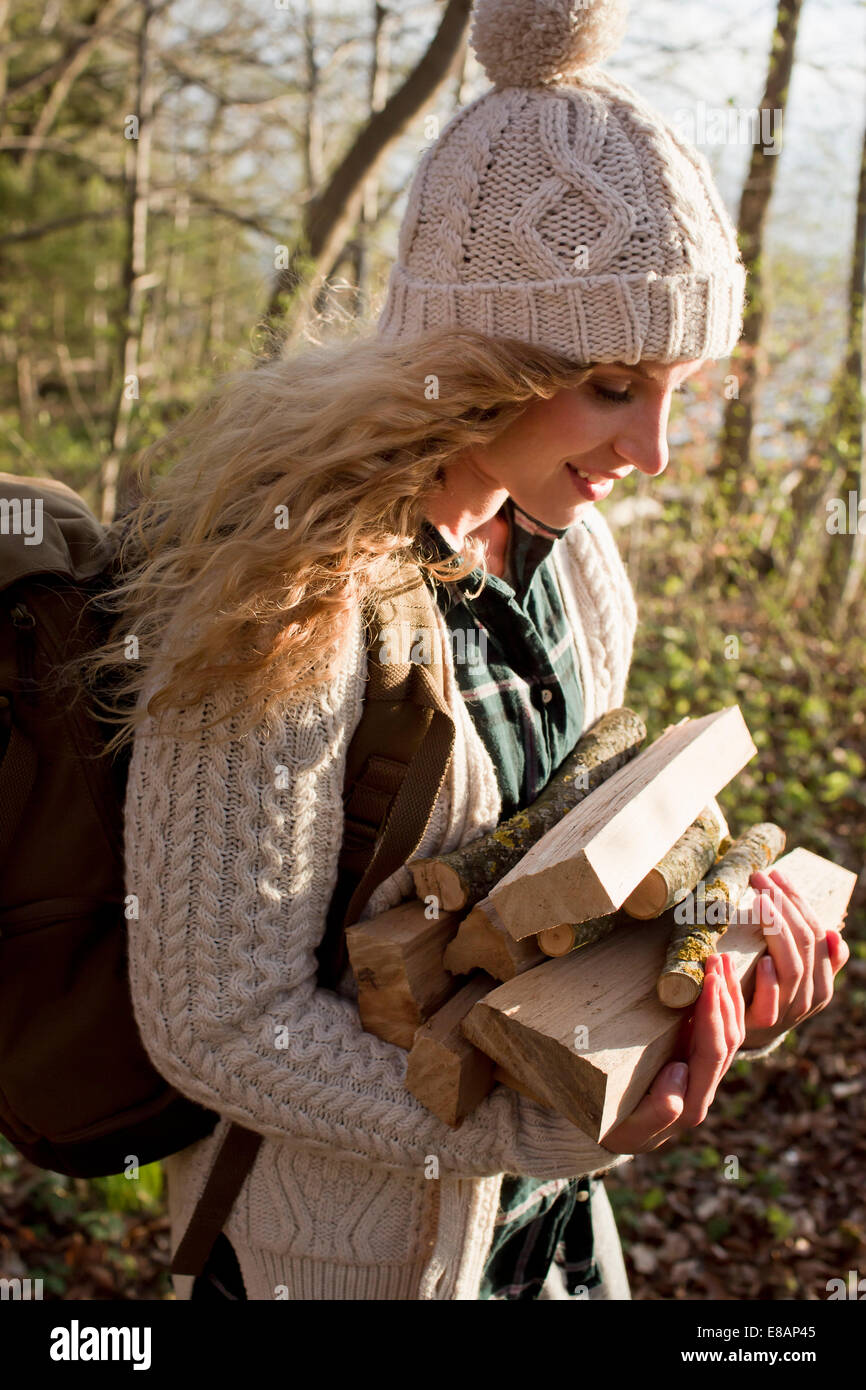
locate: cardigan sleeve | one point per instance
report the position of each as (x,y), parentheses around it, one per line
(231,853)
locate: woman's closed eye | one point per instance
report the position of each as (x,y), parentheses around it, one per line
(608,394)
(623,396)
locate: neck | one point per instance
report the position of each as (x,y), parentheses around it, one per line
(459,519)
(466,506)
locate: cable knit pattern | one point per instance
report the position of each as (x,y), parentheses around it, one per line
(234,871)
(559,208)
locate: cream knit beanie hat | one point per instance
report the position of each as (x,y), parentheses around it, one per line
(561,210)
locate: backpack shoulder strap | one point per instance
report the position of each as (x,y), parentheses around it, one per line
(396,763)
(397,760)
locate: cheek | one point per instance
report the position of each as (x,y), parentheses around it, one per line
(583,428)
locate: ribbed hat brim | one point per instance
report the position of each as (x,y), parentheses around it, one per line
(603,318)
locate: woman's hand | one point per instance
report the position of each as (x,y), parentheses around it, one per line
(793,981)
(795,978)
(708,1042)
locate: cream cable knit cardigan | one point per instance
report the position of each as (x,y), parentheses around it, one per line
(358,1192)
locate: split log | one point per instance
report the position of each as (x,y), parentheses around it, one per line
(705,915)
(587,1034)
(445,1072)
(682,867)
(482,943)
(461,879)
(589,863)
(513,1084)
(396,959)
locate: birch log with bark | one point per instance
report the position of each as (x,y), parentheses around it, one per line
(682,867)
(461,879)
(713,905)
(590,862)
(561,940)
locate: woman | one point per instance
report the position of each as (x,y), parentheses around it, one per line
(564,266)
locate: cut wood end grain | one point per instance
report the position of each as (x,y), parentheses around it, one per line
(483,943)
(396,959)
(445,1072)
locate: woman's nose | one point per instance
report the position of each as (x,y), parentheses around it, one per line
(645,444)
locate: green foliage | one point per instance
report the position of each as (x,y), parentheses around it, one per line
(656,1197)
(779,1221)
(122,1194)
(800,692)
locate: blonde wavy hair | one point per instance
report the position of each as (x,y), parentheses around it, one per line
(292,492)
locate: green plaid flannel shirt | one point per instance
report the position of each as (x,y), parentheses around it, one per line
(516,667)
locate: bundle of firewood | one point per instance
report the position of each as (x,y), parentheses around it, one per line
(554,953)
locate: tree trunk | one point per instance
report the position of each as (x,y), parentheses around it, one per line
(135,282)
(327,218)
(715,901)
(853,553)
(736,440)
(354,254)
(839,448)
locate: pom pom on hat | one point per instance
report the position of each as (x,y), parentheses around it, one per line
(526,43)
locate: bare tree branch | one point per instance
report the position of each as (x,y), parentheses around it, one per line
(329,216)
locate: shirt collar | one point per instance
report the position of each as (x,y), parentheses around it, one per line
(530,541)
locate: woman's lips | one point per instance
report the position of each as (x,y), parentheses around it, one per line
(592,490)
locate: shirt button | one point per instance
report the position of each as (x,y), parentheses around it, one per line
(582,1196)
(547,696)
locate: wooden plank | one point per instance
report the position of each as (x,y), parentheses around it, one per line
(534,1025)
(482,943)
(445,1072)
(513,1084)
(397,962)
(589,863)
(461,879)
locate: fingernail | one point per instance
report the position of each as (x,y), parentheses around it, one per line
(679,1075)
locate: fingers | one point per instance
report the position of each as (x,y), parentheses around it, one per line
(806,931)
(805,956)
(735,994)
(651,1124)
(763,1011)
(710,1046)
(838,947)
(799,902)
(791,944)
(832,953)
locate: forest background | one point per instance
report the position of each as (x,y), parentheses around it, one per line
(189,187)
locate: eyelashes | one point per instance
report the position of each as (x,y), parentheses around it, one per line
(621,397)
(624,397)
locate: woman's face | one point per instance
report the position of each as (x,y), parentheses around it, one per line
(614,422)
